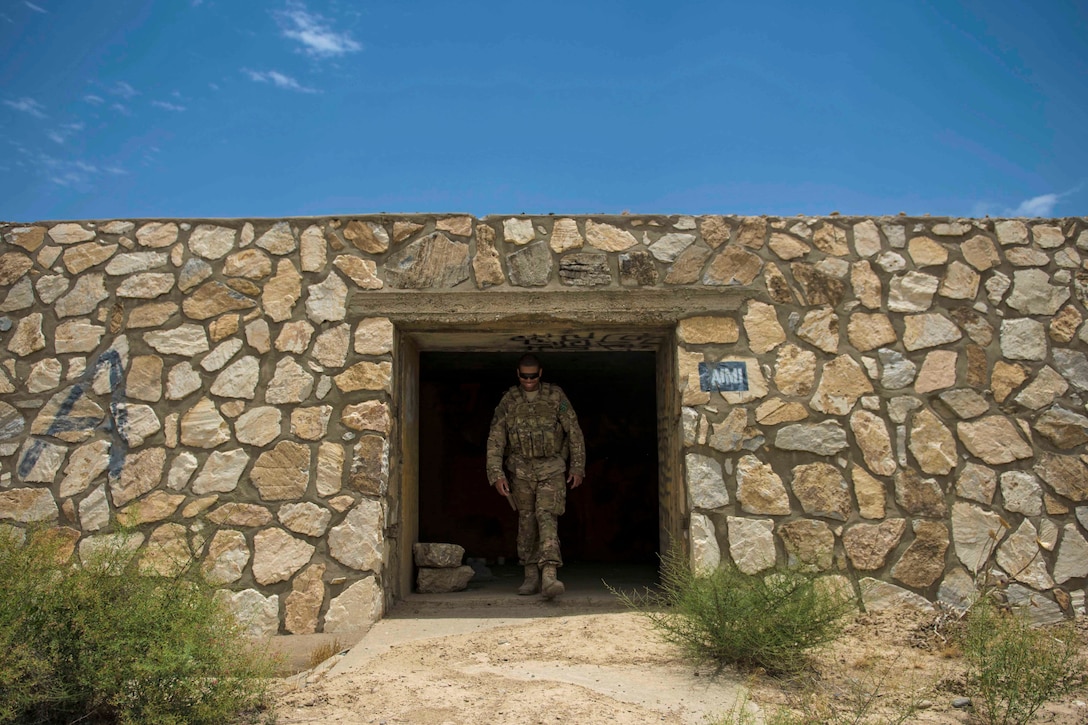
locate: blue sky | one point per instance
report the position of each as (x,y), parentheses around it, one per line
(230,108)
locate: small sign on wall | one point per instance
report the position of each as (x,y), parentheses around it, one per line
(723,376)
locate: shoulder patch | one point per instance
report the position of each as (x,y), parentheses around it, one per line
(564,406)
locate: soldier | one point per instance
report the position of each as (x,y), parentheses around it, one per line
(536,431)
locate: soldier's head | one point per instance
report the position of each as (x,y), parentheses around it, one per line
(529,372)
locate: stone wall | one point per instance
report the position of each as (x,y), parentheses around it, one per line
(914,411)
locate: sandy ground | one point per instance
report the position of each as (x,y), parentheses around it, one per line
(581,665)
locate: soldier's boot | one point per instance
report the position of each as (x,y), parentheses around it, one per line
(550,586)
(531,585)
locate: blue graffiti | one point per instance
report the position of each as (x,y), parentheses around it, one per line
(63,422)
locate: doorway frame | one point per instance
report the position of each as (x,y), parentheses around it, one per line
(412,340)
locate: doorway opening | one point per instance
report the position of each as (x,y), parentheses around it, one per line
(613,519)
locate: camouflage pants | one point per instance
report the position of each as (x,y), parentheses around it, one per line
(540,499)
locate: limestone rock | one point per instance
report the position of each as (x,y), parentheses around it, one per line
(1064,428)
(259,426)
(227,557)
(868,545)
(71,233)
(869,493)
(759,489)
(313,251)
(327,300)
(670,246)
(29,238)
(1019,555)
(706,486)
(817,287)
(358,607)
(370,467)
(440,581)
(28,337)
(993,439)
(932,443)
(28,505)
(221,472)
(843,381)
(331,346)
(434,261)
(965,403)
(438,556)
(214,298)
(181,470)
(912,292)
(751,543)
(870,331)
(289,383)
(608,238)
(277,556)
(820,328)
(1021,492)
(203,427)
(788,248)
(141,472)
(919,496)
(211,241)
(830,240)
(977,483)
(157,235)
(707,330)
(363,272)
(822,491)
(282,473)
(282,291)
(158,505)
(258,615)
(938,371)
(1032,293)
(1006,378)
(358,541)
(94,510)
(922,564)
(1023,339)
(795,370)
(303,604)
(1072,560)
(928,330)
(762,327)
(809,543)
(368,237)
(238,380)
(926,252)
(565,236)
(866,238)
(875,443)
(706,555)
(530,266)
(186,340)
(585,269)
(1066,475)
(85,465)
(776,411)
(365,376)
(330,467)
(777,287)
(280,239)
(866,284)
(311,423)
(688,266)
(244,515)
(248,263)
(733,265)
(824,439)
(980,253)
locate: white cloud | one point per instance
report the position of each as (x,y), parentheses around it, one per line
(313,32)
(27,105)
(168,106)
(1037,205)
(1042,205)
(34,7)
(91,98)
(121,108)
(120,88)
(277,79)
(61,134)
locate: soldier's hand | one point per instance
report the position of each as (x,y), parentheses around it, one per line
(502,486)
(574,480)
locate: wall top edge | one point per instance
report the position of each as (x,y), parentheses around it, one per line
(610,218)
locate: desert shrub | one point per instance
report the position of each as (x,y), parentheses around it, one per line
(1014,668)
(105,642)
(770,621)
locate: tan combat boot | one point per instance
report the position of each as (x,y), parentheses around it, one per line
(550,586)
(531,585)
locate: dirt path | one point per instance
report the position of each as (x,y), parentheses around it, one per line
(611,668)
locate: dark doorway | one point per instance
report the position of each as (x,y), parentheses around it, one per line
(612,518)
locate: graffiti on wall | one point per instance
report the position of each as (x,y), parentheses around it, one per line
(65,422)
(723,376)
(617,341)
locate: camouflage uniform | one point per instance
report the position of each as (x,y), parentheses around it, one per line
(536,437)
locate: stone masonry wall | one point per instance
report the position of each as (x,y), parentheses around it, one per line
(914,413)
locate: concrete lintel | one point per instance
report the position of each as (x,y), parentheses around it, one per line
(465,310)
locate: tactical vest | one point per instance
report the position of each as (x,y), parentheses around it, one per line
(533,427)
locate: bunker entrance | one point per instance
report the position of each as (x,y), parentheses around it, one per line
(612,519)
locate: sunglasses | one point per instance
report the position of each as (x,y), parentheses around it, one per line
(528,376)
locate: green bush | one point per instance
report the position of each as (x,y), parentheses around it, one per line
(1014,668)
(769,621)
(107,643)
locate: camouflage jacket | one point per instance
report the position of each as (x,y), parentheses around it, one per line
(545,427)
